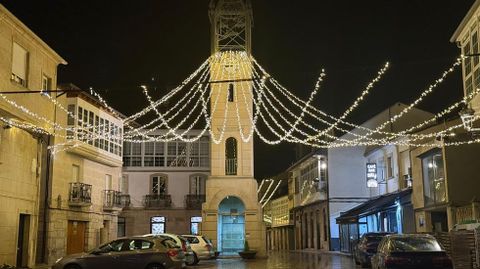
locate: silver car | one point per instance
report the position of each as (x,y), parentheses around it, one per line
(201,246)
(127,253)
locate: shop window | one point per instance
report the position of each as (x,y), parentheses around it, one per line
(195,225)
(157,225)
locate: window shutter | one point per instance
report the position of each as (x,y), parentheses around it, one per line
(19,61)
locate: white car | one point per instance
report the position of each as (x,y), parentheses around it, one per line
(201,246)
(182,243)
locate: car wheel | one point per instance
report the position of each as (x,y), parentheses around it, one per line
(195,258)
(192,262)
(355,259)
(72,266)
(154,266)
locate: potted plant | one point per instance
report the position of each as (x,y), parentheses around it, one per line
(247,253)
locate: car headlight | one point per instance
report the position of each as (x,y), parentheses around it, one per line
(58,260)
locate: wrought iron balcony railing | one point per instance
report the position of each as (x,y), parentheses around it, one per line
(194,201)
(125,200)
(231,167)
(111,200)
(158,201)
(80,194)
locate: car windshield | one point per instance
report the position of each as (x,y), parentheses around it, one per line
(415,244)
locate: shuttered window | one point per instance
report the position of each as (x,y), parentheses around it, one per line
(19,64)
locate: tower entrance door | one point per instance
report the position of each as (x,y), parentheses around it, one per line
(231,226)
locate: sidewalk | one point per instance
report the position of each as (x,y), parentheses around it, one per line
(318,251)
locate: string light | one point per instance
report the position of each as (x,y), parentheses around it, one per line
(273,192)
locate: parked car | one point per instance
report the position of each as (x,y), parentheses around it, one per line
(127,253)
(367,247)
(181,243)
(410,251)
(202,247)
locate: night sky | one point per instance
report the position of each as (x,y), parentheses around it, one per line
(115,46)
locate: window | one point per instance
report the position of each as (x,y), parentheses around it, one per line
(75,173)
(389,167)
(231,156)
(121,231)
(230,92)
(46,84)
(381,170)
(197,184)
(157,225)
(194,227)
(434,178)
(108,182)
(159,185)
(124,184)
(19,65)
(139,244)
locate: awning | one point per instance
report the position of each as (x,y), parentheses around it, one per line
(375,205)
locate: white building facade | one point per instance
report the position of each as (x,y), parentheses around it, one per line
(166,182)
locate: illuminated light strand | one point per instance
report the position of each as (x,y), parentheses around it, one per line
(273,192)
(221,61)
(201,81)
(171,130)
(356,102)
(29,112)
(305,123)
(259,101)
(292,97)
(424,94)
(185,131)
(160,138)
(284,91)
(170,94)
(443,113)
(260,187)
(266,192)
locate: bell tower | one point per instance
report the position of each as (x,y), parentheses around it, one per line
(231,213)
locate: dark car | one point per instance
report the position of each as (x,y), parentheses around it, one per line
(367,247)
(410,251)
(127,253)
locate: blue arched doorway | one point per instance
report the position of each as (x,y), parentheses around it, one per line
(231,225)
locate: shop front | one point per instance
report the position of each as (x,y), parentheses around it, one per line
(392,212)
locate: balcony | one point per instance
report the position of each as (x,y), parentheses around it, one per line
(231,167)
(158,201)
(80,194)
(125,200)
(112,200)
(194,201)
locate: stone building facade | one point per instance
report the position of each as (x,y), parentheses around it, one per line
(232,214)
(84,193)
(26,64)
(445,182)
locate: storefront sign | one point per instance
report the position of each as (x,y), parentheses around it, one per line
(372,175)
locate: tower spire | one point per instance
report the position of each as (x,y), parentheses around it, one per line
(231,23)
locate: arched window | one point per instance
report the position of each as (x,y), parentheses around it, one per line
(231,156)
(231,92)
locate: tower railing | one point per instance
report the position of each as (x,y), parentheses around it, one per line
(231,167)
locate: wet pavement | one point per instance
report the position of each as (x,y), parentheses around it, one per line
(282,260)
